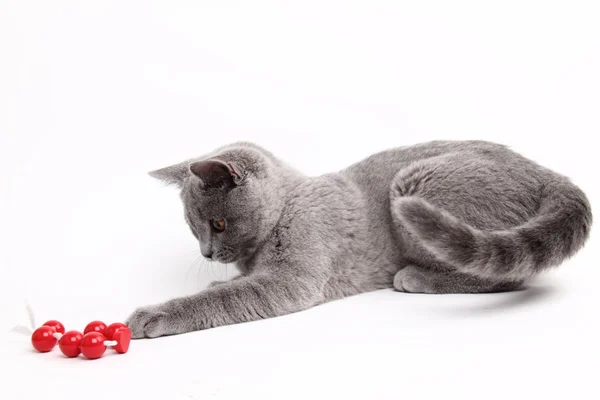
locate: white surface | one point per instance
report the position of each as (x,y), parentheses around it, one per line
(94,95)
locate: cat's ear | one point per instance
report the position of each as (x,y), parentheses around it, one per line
(173,174)
(215,173)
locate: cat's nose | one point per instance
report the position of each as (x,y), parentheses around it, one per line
(208,254)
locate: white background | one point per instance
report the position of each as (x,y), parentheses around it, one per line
(95,94)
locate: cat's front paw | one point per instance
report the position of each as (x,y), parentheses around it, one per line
(149,322)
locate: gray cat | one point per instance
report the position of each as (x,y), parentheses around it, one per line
(437,217)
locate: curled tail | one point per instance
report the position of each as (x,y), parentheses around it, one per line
(559,229)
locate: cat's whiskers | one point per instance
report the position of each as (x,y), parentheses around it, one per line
(200,263)
(204,265)
(212,270)
(187,275)
(198,275)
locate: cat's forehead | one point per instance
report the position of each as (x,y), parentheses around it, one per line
(207,203)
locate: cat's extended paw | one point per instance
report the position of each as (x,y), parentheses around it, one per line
(410,279)
(149,322)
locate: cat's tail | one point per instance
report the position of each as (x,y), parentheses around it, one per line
(558,230)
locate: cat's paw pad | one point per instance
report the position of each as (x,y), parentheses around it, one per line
(411,280)
(148,322)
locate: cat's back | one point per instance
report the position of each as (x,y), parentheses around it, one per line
(374,173)
(397,157)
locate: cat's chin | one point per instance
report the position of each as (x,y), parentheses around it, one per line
(226,260)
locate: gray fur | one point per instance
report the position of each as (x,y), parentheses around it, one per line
(437,217)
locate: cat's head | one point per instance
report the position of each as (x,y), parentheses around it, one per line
(232,199)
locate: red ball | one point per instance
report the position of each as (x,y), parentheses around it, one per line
(58,327)
(112,328)
(43,339)
(70,343)
(92,345)
(95,326)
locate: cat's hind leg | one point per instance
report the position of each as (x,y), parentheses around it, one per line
(413,279)
(475,192)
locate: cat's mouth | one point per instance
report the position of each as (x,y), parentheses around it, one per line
(233,254)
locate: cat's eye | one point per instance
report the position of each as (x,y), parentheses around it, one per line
(219,224)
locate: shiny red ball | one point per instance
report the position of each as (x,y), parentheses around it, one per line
(92,345)
(58,327)
(112,328)
(70,343)
(42,339)
(95,326)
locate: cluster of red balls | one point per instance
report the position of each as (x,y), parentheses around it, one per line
(92,343)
